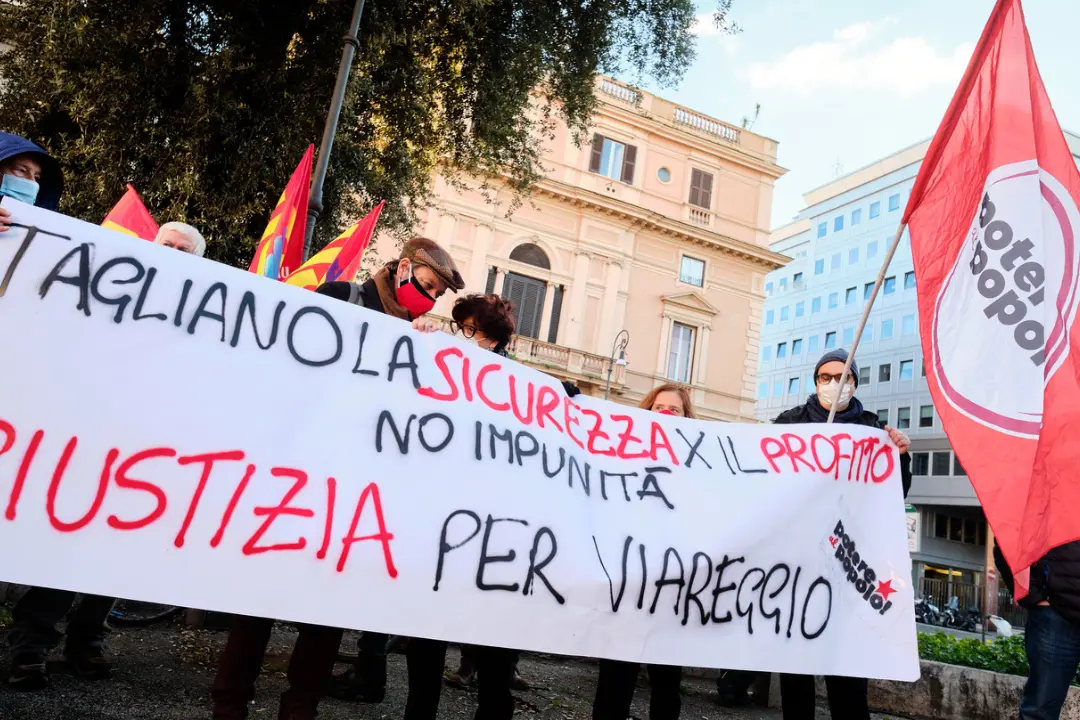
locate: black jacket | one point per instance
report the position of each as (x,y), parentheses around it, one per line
(1055,578)
(366,295)
(800,415)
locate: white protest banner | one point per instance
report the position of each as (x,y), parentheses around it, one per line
(178,431)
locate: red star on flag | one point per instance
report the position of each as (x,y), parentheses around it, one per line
(885,589)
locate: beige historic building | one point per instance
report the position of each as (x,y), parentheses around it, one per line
(659,227)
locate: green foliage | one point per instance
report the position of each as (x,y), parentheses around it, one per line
(207,105)
(1003,655)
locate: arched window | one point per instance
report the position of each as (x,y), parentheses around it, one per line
(531,254)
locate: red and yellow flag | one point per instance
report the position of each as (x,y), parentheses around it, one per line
(340,259)
(131,217)
(281,248)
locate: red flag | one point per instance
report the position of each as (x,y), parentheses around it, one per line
(281,248)
(994,222)
(131,217)
(340,259)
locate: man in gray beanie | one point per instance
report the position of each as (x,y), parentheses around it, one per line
(847,696)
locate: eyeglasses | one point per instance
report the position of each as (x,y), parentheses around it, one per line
(826,378)
(466,330)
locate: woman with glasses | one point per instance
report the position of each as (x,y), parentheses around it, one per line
(617,678)
(488,322)
(847,696)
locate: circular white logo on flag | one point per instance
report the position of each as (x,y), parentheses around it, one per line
(1002,319)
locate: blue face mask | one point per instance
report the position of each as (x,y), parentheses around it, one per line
(19,189)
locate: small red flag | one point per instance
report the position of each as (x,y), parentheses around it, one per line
(994,223)
(131,217)
(340,259)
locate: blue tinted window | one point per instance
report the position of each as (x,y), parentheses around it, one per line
(834,300)
(875,209)
(819,267)
(815,305)
(856,216)
(853,256)
(811,344)
(822,228)
(769,317)
(783,313)
(800,309)
(894,202)
(838,223)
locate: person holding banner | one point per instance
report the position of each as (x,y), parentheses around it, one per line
(486,321)
(405,288)
(28,174)
(847,695)
(31,175)
(615,686)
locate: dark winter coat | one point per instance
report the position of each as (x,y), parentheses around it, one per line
(1055,578)
(52,179)
(365,295)
(854,415)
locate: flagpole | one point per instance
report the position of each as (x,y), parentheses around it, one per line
(866,314)
(315,206)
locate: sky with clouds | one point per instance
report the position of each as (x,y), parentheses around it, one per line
(842,83)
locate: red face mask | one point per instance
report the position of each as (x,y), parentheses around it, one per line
(412,296)
(665,411)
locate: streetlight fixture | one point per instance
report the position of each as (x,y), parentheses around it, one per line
(619,346)
(315,206)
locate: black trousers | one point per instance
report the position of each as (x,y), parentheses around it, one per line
(615,691)
(495,673)
(37,613)
(847,697)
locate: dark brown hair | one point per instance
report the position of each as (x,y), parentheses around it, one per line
(688,407)
(491,315)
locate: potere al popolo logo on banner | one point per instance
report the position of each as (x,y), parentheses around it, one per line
(1002,318)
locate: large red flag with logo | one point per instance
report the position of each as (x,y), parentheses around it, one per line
(994,222)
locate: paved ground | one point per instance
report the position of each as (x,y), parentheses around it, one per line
(164,673)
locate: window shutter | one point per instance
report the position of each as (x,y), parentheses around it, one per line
(695,187)
(700,188)
(556,315)
(597,150)
(531,306)
(629,157)
(706,191)
(514,290)
(490,288)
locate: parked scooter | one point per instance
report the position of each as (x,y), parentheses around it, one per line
(953,617)
(926,612)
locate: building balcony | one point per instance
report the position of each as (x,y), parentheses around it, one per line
(586,370)
(683,118)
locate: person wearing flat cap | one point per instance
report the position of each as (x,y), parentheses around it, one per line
(847,695)
(405,288)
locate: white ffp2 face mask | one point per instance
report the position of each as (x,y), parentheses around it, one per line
(826,393)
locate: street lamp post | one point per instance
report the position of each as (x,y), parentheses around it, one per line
(619,346)
(315,206)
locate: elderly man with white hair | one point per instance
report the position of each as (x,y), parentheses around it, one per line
(182,237)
